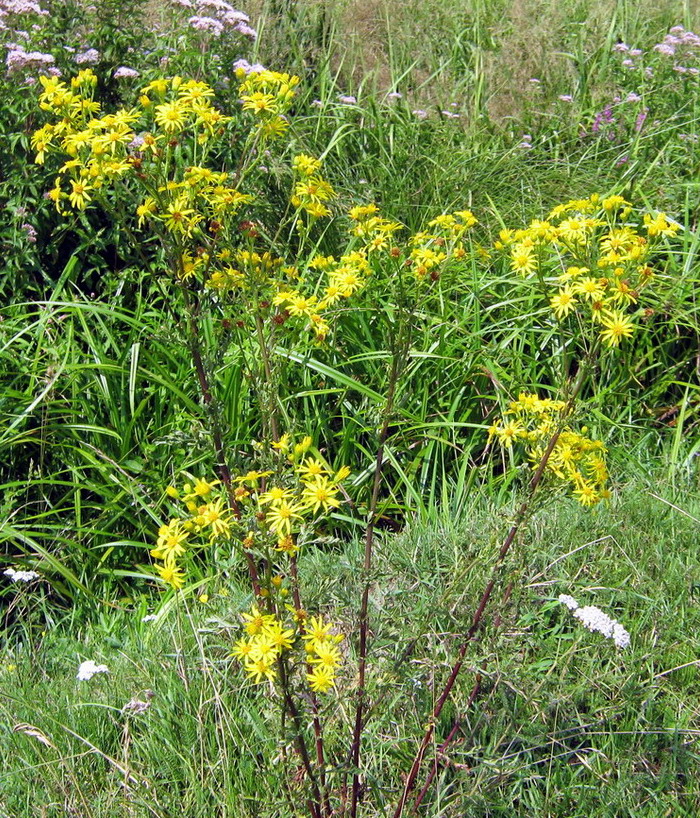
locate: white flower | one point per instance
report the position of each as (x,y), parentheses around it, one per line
(149,618)
(597,621)
(20,576)
(620,636)
(569,601)
(88,669)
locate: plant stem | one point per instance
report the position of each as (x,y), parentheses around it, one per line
(265,395)
(520,517)
(396,367)
(318,731)
(315,805)
(222,468)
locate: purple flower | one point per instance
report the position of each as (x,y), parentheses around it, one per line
(632,97)
(665,48)
(394,95)
(641,117)
(30,231)
(246,31)
(23,7)
(628,63)
(91,56)
(347,99)
(18,58)
(208,24)
(232,17)
(245,66)
(125,73)
(217,5)
(420,114)
(566,98)
(621,47)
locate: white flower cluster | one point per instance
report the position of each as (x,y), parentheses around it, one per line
(88,669)
(596,620)
(20,576)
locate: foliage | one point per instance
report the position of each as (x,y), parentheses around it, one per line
(251,314)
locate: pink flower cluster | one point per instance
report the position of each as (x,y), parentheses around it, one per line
(18,59)
(245,66)
(216,16)
(123,72)
(21,7)
(681,45)
(89,57)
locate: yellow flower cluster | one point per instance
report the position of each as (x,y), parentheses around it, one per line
(268,95)
(267,638)
(311,190)
(208,518)
(282,508)
(575,459)
(344,278)
(428,250)
(595,253)
(105,148)
(263,510)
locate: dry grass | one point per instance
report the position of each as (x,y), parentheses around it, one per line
(435,46)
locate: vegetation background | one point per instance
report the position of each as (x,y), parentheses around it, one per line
(507,108)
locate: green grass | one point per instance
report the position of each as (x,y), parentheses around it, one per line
(564,723)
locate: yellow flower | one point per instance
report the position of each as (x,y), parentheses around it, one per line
(522,260)
(342,473)
(146,209)
(276,634)
(214,515)
(586,495)
(617,327)
(321,679)
(305,164)
(312,467)
(563,302)
(80,195)
(256,621)
(260,669)
(201,488)
(260,103)
(171,574)
(171,116)
(660,225)
(320,494)
(274,495)
(325,654)
(170,543)
(178,217)
(590,288)
(281,517)
(286,545)
(243,648)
